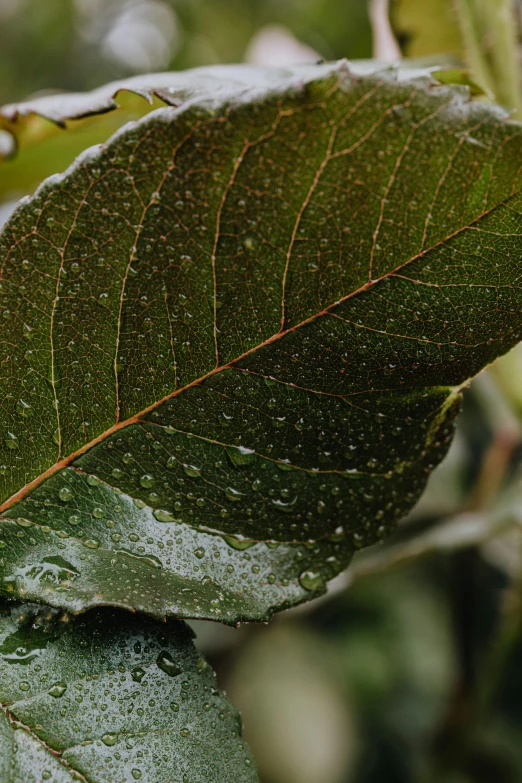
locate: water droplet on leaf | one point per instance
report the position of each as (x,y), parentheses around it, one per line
(11,441)
(167,664)
(282,506)
(24,409)
(65,494)
(311,580)
(109,739)
(138,674)
(233,494)
(57,690)
(239,542)
(192,470)
(241,456)
(163,516)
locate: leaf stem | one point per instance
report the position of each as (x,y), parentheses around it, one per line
(385,46)
(489,30)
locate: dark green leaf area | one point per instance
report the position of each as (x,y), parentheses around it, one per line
(289,474)
(175,522)
(79,543)
(246,321)
(109,698)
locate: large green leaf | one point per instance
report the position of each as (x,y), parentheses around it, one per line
(234,337)
(110,698)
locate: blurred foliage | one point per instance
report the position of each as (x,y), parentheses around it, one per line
(74,45)
(80,44)
(419,39)
(43,148)
(410,670)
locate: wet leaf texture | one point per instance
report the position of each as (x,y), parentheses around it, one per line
(110,698)
(233,337)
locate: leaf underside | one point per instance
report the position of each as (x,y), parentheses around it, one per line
(197,84)
(110,698)
(233,338)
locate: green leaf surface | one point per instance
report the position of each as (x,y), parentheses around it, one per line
(110,698)
(234,337)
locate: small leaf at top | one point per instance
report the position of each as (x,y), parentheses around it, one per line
(234,337)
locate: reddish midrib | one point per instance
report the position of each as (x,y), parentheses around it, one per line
(63,463)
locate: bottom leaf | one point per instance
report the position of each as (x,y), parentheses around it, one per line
(111,698)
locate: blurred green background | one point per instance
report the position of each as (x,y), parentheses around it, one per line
(410,670)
